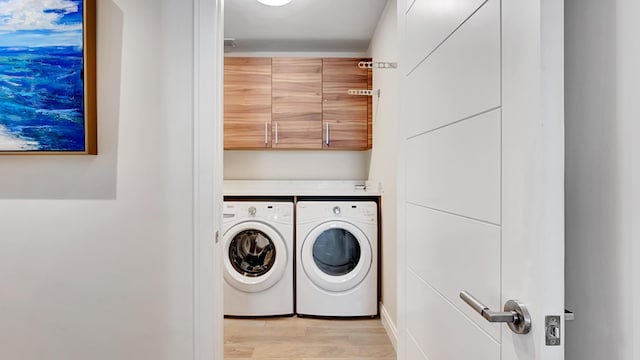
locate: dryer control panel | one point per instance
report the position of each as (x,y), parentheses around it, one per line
(359,211)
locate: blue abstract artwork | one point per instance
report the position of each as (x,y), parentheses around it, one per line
(42,95)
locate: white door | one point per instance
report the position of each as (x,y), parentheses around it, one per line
(480,176)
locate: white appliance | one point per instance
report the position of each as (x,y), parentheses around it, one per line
(337,258)
(258,258)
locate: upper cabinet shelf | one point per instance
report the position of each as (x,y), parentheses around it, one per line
(296,103)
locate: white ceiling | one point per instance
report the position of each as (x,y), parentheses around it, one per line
(302,25)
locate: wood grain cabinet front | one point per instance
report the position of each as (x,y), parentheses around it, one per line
(296,103)
(296,111)
(247,103)
(345,117)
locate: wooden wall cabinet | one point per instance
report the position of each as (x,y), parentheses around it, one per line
(296,112)
(247,103)
(296,103)
(345,117)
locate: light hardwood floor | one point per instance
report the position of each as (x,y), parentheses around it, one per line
(306,339)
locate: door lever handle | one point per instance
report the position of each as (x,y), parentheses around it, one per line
(515,313)
(491,316)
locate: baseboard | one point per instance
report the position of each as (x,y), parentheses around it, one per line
(389,326)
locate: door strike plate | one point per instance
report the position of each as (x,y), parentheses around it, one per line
(552,330)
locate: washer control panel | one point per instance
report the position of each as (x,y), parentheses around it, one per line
(269,211)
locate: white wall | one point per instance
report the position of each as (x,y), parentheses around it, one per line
(110,276)
(296,165)
(602,253)
(382,172)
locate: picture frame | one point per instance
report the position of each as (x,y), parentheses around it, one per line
(48,77)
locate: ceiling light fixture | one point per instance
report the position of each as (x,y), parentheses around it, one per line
(275,2)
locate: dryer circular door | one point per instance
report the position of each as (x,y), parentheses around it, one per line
(255,256)
(336,256)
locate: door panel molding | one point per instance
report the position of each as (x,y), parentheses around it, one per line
(445,17)
(457,168)
(459,80)
(472,263)
(448,334)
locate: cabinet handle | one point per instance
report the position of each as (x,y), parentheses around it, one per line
(327,137)
(276,133)
(266,136)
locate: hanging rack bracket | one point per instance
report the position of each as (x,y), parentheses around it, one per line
(377,65)
(364,92)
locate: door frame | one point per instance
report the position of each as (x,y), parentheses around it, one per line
(208,55)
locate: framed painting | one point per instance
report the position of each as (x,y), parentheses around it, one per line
(48,77)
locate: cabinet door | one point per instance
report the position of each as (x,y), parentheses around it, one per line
(296,103)
(345,124)
(247,103)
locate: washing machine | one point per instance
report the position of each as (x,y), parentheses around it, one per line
(337,258)
(258,245)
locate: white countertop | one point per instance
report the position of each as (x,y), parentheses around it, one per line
(298,188)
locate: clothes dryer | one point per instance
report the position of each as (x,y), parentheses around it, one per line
(337,258)
(258,258)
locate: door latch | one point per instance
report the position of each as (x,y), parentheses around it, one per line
(217,237)
(552,330)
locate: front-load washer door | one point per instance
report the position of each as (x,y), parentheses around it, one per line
(336,256)
(255,256)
